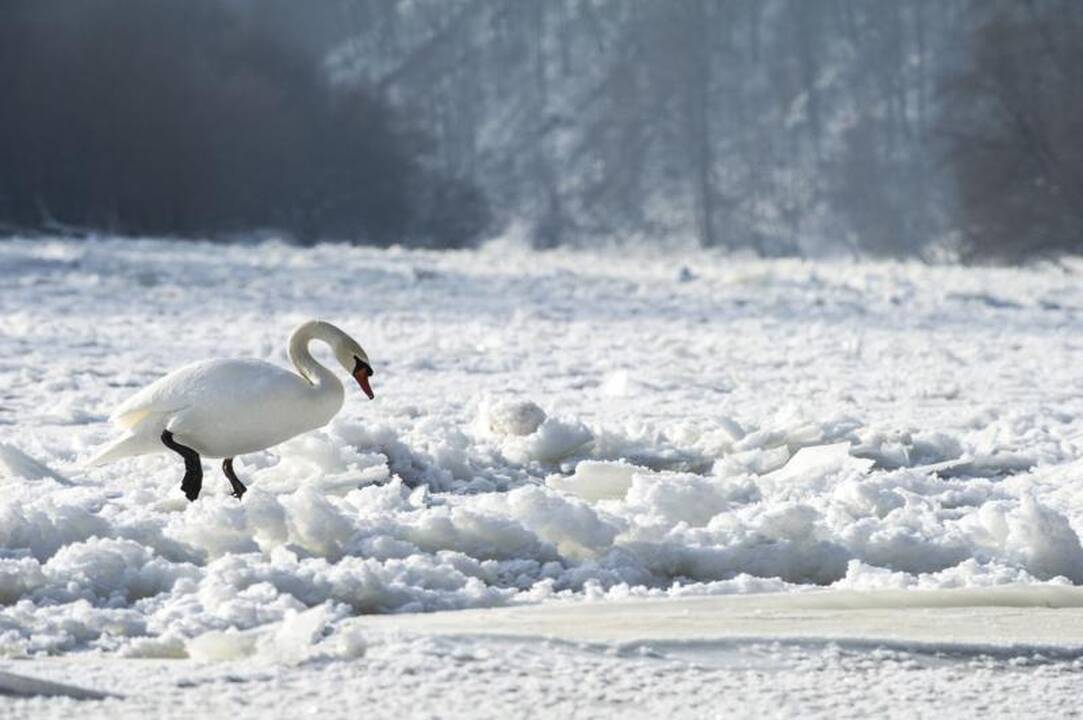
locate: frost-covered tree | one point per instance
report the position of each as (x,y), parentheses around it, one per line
(780,126)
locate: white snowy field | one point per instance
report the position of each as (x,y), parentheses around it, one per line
(566,434)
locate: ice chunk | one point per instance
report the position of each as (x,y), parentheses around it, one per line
(571,525)
(218,645)
(168,646)
(1035,536)
(759,462)
(300,636)
(511,417)
(111,570)
(316,524)
(687,498)
(811,463)
(217,526)
(295,638)
(485,535)
(16,464)
(322,460)
(22,686)
(43,527)
(597,480)
(553,441)
(18,577)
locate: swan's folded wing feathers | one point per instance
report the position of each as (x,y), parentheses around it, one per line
(129,419)
(139,407)
(163,396)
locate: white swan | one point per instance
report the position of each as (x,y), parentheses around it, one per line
(225,408)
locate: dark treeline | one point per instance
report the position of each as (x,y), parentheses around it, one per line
(196,118)
(887,127)
(1013,116)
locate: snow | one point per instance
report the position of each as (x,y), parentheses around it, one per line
(551,429)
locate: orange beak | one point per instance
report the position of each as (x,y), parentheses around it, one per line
(361,375)
(362,371)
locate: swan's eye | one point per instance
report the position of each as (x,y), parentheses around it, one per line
(359,364)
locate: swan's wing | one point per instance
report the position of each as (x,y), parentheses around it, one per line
(215,386)
(165,396)
(240,406)
(148,401)
(129,419)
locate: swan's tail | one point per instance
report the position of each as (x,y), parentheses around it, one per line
(127,446)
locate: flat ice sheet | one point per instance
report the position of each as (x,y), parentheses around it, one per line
(1004,619)
(892,654)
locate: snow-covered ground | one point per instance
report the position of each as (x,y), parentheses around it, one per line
(561,428)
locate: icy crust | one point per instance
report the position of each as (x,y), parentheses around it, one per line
(82,570)
(521,455)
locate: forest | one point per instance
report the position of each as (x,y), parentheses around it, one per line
(911,128)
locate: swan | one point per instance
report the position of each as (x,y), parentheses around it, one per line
(226,408)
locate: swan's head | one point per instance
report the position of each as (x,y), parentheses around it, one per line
(353,358)
(348,353)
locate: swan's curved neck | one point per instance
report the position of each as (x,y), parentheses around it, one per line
(318,375)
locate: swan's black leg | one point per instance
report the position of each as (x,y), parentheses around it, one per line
(238,487)
(193,469)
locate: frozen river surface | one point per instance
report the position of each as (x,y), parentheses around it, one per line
(550,430)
